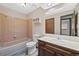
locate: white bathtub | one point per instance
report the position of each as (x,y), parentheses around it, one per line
(13,50)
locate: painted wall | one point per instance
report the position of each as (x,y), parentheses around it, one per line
(38,28)
(77,11)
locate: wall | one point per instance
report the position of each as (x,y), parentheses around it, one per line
(38,28)
(77,11)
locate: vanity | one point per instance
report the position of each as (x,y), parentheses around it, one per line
(49,46)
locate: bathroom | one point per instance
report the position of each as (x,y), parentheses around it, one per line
(24,26)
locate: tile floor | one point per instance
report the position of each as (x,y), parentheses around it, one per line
(24,54)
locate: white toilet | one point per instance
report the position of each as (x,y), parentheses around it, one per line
(31,46)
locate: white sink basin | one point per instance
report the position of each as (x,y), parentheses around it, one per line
(50,39)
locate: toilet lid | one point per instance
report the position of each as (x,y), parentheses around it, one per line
(30,43)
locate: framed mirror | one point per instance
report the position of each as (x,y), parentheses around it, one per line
(65,28)
(68,25)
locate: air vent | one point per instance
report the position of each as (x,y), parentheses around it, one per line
(59,6)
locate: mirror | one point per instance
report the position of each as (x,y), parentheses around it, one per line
(66,24)
(65,27)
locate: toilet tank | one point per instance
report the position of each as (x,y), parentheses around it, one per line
(35,37)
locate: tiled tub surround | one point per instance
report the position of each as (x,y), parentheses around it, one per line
(13,30)
(61,40)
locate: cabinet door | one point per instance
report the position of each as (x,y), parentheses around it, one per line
(57,54)
(41,52)
(48,52)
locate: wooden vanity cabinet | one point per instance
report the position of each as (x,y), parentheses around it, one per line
(48,49)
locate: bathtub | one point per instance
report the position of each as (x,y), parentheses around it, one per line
(14,49)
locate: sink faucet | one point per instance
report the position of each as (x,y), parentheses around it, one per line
(58,38)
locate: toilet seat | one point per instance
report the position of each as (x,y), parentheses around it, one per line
(31,44)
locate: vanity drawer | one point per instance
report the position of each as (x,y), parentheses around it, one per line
(46,52)
(41,43)
(75,54)
(58,51)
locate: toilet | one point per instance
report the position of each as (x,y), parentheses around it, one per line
(31,46)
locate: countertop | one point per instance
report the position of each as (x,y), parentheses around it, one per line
(64,43)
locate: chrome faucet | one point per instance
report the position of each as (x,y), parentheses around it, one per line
(58,38)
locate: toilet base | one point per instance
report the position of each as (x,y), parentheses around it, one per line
(35,53)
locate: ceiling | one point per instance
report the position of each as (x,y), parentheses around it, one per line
(61,8)
(48,7)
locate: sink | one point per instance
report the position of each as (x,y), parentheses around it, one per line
(49,38)
(68,41)
(56,40)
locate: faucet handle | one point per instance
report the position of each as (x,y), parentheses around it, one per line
(58,37)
